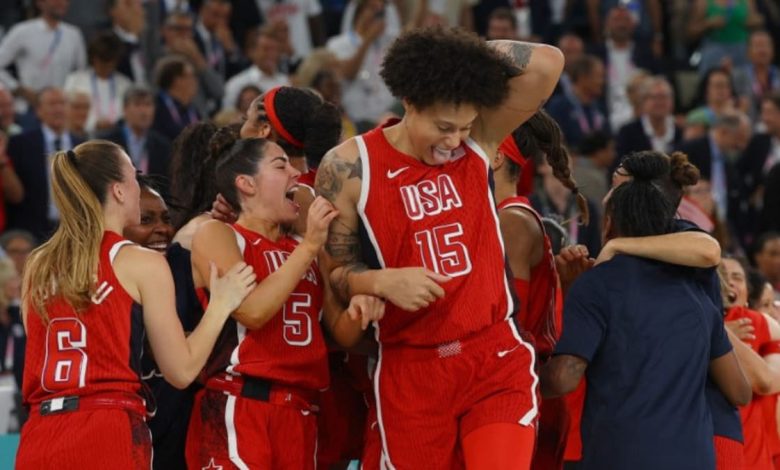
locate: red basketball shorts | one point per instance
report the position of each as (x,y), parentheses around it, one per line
(429,399)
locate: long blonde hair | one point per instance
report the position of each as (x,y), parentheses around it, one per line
(66,265)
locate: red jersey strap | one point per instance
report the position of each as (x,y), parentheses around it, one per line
(521,202)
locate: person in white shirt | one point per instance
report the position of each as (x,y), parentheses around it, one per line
(263,73)
(362,48)
(101,82)
(303,17)
(44,50)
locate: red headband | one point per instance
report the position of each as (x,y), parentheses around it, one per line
(270,110)
(509,148)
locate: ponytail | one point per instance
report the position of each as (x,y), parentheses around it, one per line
(66,265)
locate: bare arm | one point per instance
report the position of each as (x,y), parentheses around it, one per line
(147,278)
(561,375)
(727,374)
(538,69)
(774,328)
(762,372)
(694,249)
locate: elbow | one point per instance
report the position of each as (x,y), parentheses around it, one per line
(180,379)
(711,253)
(554,384)
(742,397)
(762,387)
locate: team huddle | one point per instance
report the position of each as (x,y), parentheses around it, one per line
(388,299)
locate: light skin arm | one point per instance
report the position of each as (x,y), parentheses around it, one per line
(539,67)
(216,241)
(774,328)
(694,249)
(147,278)
(763,373)
(561,375)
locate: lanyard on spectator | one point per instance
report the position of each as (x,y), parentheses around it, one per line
(773,81)
(582,119)
(112,97)
(174,111)
(55,42)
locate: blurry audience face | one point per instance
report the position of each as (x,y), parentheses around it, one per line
(768,259)
(19,249)
(329,87)
(265,54)
(603,158)
(139,113)
(736,280)
(78,111)
(154,230)
(659,102)
(572,47)
(767,303)
(177,28)
(770,116)
(620,24)
(500,28)
(186,85)
(718,89)
(701,194)
(52,109)
(593,82)
(7,113)
(761,50)
(256,123)
(215,13)
(245,98)
(54,8)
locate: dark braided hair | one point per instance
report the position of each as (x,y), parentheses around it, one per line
(540,137)
(188,169)
(680,171)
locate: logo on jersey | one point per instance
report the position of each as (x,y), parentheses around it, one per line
(429,197)
(393,174)
(274,259)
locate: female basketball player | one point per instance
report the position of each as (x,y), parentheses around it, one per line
(88,295)
(455,384)
(265,376)
(624,427)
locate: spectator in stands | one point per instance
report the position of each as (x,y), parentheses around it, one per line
(592,165)
(245,98)
(30,153)
(655,129)
(716,155)
(43,50)
(581,112)
(79,104)
(623,56)
(304,19)
(149,150)
(101,82)
(18,244)
(128,22)
(7,113)
(179,38)
(723,26)
(647,15)
(760,77)
(763,152)
(453,13)
(215,39)
(716,95)
(12,189)
(573,48)
(178,86)
(263,73)
(361,49)
(765,256)
(502,24)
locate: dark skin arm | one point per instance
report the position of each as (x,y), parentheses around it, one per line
(561,375)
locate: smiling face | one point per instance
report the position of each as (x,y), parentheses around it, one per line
(268,193)
(736,280)
(434,132)
(155,230)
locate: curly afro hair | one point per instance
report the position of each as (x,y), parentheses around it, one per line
(438,65)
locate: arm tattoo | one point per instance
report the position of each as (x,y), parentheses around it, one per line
(519,53)
(343,243)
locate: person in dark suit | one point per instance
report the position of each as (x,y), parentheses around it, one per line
(763,151)
(215,40)
(29,153)
(716,155)
(178,86)
(655,129)
(149,150)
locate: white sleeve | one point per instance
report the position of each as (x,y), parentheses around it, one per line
(343,46)
(10,47)
(313,7)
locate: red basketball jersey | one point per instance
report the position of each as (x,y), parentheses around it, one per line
(87,353)
(540,310)
(442,218)
(289,348)
(307,179)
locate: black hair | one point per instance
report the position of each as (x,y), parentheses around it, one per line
(679,171)
(760,243)
(639,207)
(582,66)
(451,66)
(192,169)
(594,142)
(105,46)
(539,138)
(136,93)
(308,119)
(755,287)
(168,70)
(701,93)
(240,159)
